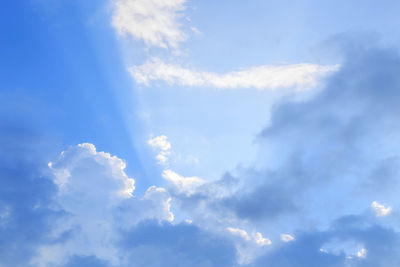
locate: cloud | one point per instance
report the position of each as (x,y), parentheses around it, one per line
(318,155)
(114,180)
(301,76)
(162,144)
(97,195)
(380,210)
(155,22)
(257,237)
(320,159)
(182,184)
(287,237)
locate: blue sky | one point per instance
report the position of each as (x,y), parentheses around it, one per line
(196,133)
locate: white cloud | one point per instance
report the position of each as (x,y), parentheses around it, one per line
(380,210)
(239,232)
(161,142)
(260,240)
(301,76)
(257,237)
(111,182)
(287,237)
(163,145)
(98,196)
(183,184)
(155,22)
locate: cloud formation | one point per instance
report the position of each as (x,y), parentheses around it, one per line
(267,77)
(320,159)
(97,195)
(155,22)
(323,162)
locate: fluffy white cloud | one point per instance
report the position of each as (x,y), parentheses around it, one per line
(260,240)
(183,184)
(155,22)
(98,197)
(301,76)
(380,210)
(73,173)
(287,237)
(162,144)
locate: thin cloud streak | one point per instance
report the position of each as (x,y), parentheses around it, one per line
(265,77)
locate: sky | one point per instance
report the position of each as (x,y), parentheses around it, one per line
(138,133)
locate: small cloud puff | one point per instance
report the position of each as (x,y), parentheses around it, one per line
(287,237)
(162,144)
(362,253)
(380,210)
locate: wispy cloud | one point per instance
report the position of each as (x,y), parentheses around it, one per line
(264,77)
(155,22)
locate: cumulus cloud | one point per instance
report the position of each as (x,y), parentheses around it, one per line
(98,197)
(155,22)
(267,77)
(114,179)
(380,210)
